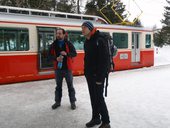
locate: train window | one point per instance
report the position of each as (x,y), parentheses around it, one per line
(14,39)
(60,15)
(24,41)
(73,17)
(148,41)
(1,41)
(10,39)
(77,39)
(3,10)
(39,13)
(120,40)
(88,18)
(18,11)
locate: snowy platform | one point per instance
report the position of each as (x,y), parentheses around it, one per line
(137,98)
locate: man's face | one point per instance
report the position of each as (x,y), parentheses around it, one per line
(60,35)
(85,31)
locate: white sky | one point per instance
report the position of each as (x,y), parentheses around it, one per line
(152,11)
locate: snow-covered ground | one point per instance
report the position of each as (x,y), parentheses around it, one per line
(162,55)
(138,98)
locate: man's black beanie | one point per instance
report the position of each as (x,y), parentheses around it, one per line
(88,24)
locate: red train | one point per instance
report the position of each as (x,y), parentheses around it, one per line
(25,36)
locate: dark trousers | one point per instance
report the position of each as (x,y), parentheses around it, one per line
(59,75)
(97,99)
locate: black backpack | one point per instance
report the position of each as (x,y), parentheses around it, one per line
(112,53)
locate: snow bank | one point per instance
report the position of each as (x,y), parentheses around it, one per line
(162,56)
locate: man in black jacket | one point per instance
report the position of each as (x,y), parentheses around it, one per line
(62,52)
(96,62)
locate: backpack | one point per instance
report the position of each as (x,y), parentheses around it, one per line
(112,53)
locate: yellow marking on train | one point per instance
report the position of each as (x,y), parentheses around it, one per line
(17,53)
(27,75)
(9,77)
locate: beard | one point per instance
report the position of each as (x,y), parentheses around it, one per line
(60,38)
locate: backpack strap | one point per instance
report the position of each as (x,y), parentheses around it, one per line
(107,83)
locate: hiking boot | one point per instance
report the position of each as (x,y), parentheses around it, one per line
(104,125)
(55,105)
(93,122)
(73,105)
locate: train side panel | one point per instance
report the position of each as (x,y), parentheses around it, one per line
(18,66)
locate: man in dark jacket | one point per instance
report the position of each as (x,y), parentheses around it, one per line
(95,69)
(62,52)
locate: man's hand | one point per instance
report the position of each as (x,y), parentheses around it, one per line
(60,58)
(63,53)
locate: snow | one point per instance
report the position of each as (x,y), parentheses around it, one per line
(162,55)
(138,98)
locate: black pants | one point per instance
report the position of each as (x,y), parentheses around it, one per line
(97,99)
(60,74)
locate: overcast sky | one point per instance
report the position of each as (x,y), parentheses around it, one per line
(152,10)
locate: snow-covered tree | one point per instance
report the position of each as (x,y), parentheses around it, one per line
(162,36)
(166,24)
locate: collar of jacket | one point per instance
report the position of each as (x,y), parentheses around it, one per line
(65,40)
(93,32)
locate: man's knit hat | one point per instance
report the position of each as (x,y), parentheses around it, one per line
(89,25)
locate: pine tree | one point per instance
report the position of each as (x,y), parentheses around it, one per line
(36,4)
(39,4)
(78,6)
(162,36)
(56,5)
(91,8)
(159,38)
(166,24)
(66,6)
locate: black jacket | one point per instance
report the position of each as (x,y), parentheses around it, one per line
(96,58)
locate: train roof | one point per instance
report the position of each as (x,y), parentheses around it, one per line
(8,10)
(34,16)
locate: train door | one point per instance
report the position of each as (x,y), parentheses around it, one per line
(135,47)
(46,37)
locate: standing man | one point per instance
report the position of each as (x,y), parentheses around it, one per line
(62,52)
(96,62)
